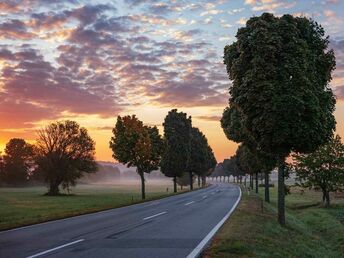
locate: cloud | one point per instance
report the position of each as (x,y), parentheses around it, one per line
(269,5)
(209,118)
(15,29)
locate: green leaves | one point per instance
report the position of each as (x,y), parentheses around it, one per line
(177,134)
(280,97)
(136,145)
(323,168)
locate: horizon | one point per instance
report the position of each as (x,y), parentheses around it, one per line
(91,62)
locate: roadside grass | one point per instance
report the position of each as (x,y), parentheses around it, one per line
(311,231)
(25,206)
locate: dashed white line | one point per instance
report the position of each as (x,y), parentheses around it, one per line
(186,204)
(161,213)
(56,248)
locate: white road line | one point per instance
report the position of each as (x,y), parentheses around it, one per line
(186,204)
(56,248)
(155,215)
(196,252)
(204,196)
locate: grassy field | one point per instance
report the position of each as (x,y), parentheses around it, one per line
(24,206)
(311,231)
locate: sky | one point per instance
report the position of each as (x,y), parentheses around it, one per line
(90,61)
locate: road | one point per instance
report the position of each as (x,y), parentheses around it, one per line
(176,226)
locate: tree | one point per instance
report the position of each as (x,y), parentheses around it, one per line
(137,145)
(1,168)
(324,168)
(64,152)
(248,161)
(17,162)
(201,157)
(177,135)
(281,69)
(211,164)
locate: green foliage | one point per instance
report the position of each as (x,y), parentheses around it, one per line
(280,69)
(280,100)
(323,168)
(137,145)
(177,134)
(64,152)
(201,157)
(231,167)
(17,162)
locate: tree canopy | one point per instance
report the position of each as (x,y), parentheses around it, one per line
(280,97)
(17,162)
(64,152)
(177,135)
(322,169)
(137,145)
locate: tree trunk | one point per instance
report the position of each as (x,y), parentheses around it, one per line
(267,192)
(281,194)
(143,190)
(175,184)
(191,181)
(327,198)
(256,182)
(53,188)
(204,181)
(245,181)
(199,181)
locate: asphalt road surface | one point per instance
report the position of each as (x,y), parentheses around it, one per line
(176,226)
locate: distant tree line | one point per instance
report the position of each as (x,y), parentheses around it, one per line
(181,153)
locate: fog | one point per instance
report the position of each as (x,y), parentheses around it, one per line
(116,173)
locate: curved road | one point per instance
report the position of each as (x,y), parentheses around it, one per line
(176,226)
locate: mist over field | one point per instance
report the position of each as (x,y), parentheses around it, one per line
(110,173)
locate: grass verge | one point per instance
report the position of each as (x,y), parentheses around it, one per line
(26,206)
(253,231)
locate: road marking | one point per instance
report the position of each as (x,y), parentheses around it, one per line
(186,204)
(161,213)
(196,252)
(56,248)
(204,196)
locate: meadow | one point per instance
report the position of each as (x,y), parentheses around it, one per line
(28,205)
(311,231)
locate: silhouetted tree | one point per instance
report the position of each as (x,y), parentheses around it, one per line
(280,67)
(136,145)
(324,168)
(177,135)
(17,162)
(64,152)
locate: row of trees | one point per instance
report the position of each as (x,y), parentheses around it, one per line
(182,149)
(62,153)
(280,101)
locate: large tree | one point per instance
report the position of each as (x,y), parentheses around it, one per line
(281,68)
(137,146)
(64,152)
(177,135)
(201,159)
(17,162)
(324,168)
